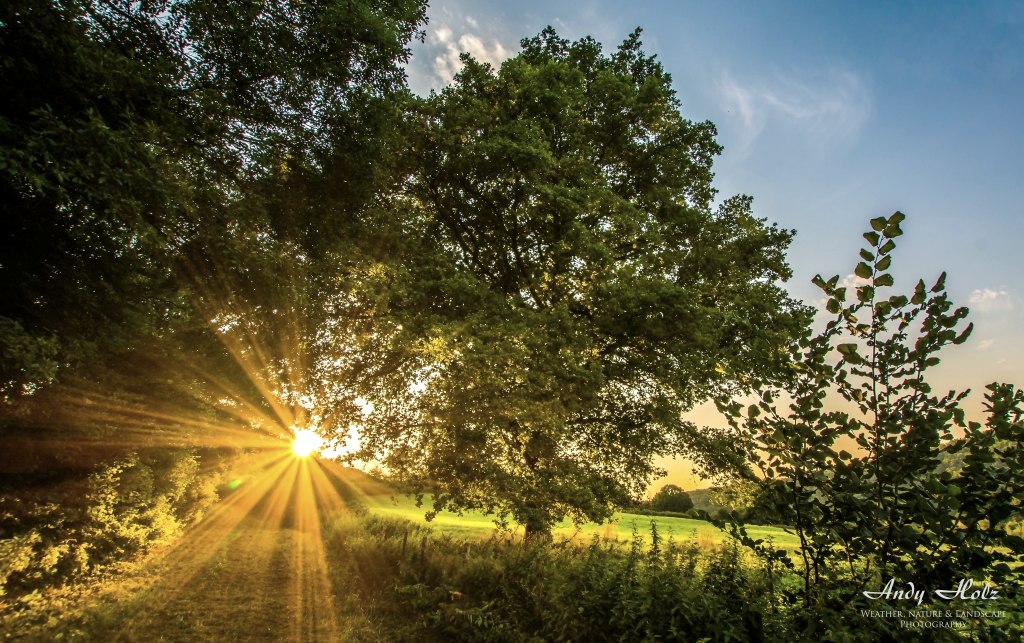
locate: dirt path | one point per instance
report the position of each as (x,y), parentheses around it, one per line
(255,569)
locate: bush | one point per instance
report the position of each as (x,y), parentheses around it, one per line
(442,588)
(124,507)
(887,507)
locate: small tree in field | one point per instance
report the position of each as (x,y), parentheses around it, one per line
(864,490)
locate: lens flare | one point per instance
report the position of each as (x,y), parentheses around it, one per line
(306,442)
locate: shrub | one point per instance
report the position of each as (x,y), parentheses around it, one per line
(125,506)
(866,491)
(443,588)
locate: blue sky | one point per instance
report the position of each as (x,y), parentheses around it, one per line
(830,114)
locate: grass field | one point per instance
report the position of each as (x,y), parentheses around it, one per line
(473,524)
(288,555)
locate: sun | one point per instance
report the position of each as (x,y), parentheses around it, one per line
(306,442)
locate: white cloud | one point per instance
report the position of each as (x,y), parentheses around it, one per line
(989,300)
(828,111)
(985,344)
(850,282)
(448,46)
(442,35)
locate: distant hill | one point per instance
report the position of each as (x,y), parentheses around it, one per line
(702,499)
(355,483)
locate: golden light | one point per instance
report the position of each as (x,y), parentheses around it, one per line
(306,442)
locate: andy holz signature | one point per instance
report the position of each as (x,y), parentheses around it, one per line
(961,591)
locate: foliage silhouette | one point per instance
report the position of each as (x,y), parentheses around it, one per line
(864,489)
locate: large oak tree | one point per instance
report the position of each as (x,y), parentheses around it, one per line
(573,291)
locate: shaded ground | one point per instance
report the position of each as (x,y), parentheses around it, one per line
(255,569)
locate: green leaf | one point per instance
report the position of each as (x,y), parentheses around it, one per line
(887,247)
(940,283)
(878,224)
(884,263)
(919,294)
(897,218)
(866,256)
(846,349)
(962,337)
(863,270)
(873,238)
(884,280)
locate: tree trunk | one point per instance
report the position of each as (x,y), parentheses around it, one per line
(537,533)
(536,517)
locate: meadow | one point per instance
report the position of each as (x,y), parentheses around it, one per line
(623,526)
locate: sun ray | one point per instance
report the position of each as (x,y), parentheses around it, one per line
(314,614)
(91,417)
(327,496)
(221,530)
(246,351)
(201,543)
(243,400)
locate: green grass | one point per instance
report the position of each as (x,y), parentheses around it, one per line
(474,524)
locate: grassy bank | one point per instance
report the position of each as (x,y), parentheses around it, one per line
(474,524)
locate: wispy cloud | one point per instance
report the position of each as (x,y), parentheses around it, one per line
(852,281)
(448,42)
(985,344)
(828,110)
(990,300)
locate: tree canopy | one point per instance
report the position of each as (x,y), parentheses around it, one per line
(574,289)
(129,133)
(672,498)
